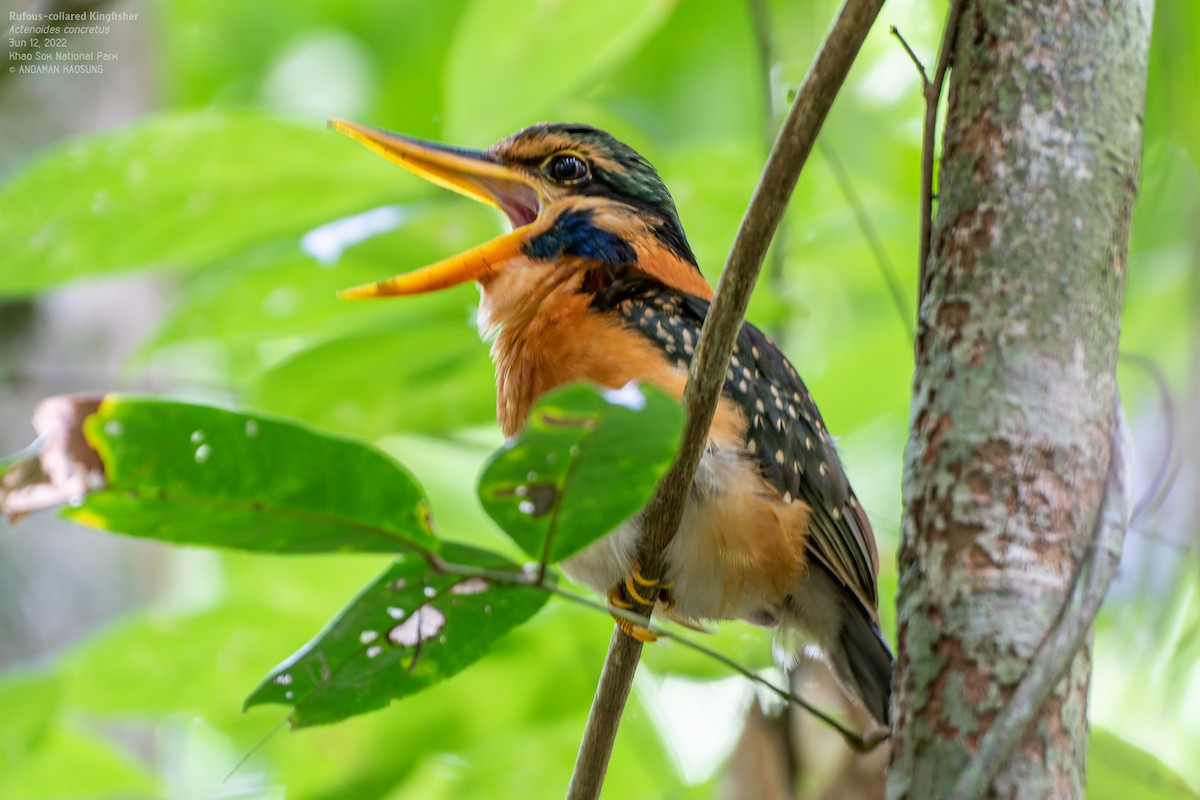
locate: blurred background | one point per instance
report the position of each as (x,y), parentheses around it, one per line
(178,223)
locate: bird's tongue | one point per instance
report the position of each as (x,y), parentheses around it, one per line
(518,202)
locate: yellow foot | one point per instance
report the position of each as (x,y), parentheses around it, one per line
(637,590)
(639,587)
(617,599)
(639,632)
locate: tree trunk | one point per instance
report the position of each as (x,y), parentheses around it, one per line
(1015,386)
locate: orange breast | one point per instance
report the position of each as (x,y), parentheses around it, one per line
(564,340)
(740,547)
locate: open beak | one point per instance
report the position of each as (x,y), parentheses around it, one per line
(469,172)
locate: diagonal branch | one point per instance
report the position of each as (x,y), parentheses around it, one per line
(933,94)
(886,270)
(760,19)
(707,372)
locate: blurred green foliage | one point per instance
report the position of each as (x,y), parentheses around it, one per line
(218,192)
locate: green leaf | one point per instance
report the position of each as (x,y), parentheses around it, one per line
(193,474)
(419,372)
(497,41)
(77,764)
(411,628)
(178,191)
(1170,112)
(586,461)
(385,59)
(253,310)
(1117,770)
(262,607)
(31,704)
(698,77)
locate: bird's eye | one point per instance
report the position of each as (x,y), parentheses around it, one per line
(566,168)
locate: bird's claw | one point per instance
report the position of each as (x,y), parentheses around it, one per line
(637,590)
(636,584)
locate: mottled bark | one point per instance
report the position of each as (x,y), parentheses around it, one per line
(1015,386)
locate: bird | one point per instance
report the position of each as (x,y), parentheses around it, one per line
(597,282)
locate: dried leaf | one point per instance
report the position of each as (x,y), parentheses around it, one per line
(60,467)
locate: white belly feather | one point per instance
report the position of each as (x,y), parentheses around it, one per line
(736,554)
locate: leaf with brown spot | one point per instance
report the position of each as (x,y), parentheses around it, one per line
(586,461)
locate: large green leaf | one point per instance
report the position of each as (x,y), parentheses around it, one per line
(178,191)
(159,661)
(411,628)
(1117,770)
(381,61)
(194,474)
(586,461)
(235,323)
(76,764)
(31,703)
(696,78)
(419,372)
(201,475)
(1174,63)
(508,62)
(289,291)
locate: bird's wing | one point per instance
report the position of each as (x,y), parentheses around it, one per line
(785,435)
(797,455)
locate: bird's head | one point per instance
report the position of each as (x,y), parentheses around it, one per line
(579,201)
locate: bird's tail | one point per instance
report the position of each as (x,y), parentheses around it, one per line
(862,660)
(825,612)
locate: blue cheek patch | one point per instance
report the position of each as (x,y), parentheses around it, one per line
(574,234)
